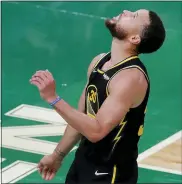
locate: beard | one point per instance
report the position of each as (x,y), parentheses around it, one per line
(115,30)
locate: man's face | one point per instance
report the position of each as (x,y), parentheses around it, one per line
(128,24)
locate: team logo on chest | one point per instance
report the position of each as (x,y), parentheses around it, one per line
(92,100)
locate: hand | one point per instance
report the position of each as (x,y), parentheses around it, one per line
(45,84)
(49,165)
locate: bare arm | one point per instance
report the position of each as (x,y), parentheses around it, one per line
(71,135)
(127,90)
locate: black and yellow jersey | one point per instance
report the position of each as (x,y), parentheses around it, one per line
(121,143)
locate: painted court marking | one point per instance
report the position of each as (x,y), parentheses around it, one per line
(159,146)
(17,170)
(164,156)
(155,168)
(36,113)
(23,137)
(2,159)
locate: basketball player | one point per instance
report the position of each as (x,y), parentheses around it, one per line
(110,116)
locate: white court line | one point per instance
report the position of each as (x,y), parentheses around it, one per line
(23,137)
(2,160)
(159,146)
(17,170)
(36,113)
(156,149)
(14,110)
(156,168)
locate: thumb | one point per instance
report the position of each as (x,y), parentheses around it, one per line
(40,167)
(40,164)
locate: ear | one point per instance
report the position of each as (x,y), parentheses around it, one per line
(135,39)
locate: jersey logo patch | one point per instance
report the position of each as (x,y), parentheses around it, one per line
(92,100)
(98,174)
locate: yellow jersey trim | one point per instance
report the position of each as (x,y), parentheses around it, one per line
(114,174)
(100,60)
(132,66)
(145,110)
(90,115)
(123,61)
(100,71)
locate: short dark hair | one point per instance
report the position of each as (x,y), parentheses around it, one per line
(153,35)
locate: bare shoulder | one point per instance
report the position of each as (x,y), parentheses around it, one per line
(93,62)
(131,82)
(132,75)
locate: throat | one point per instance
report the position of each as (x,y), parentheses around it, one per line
(120,50)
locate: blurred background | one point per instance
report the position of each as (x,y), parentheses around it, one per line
(63,37)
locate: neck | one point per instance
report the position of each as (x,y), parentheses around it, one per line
(120,50)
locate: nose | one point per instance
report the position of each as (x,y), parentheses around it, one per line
(127,13)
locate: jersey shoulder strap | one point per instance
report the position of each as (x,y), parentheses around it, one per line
(102,60)
(98,64)
(131,62)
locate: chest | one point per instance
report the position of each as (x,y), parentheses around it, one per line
(96,91)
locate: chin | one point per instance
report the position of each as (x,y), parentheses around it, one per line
(110,22)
